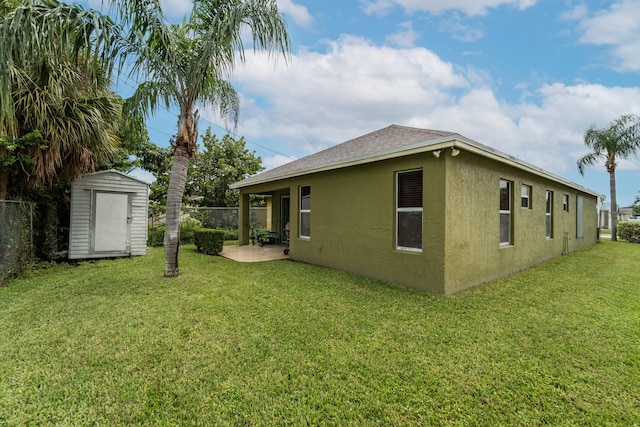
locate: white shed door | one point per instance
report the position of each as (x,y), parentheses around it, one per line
(111,227)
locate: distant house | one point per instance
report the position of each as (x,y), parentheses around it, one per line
(604,215)
(427,209)
(109,212)
(624,214)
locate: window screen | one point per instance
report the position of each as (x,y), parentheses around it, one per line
(549,214)
(505,212)
(525,197)
(409,210)
(305,211)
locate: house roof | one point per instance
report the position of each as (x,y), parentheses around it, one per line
(391,142)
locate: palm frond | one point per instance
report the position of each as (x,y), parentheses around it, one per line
(76,114)
(620,140)
(53,29)
(147,97)
(222,95)
(589,160)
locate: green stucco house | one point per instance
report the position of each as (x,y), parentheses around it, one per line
(426,209)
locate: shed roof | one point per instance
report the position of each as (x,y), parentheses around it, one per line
(111,172)
(391,142)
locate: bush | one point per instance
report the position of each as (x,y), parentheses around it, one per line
(209,241)
(629,231)
(187,229)
(230,234)
(155,236)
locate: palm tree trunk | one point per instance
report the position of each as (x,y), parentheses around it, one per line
(177,182)
(614,205)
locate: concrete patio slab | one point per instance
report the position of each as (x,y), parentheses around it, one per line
(254,253)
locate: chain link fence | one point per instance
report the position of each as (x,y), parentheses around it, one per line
(224,218)
(221,218)
(16,237)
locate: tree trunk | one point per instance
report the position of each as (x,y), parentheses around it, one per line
(4,185)
(177,182)
(614,205)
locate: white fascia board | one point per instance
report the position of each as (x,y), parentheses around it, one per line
(454,140)
(470,145)
(416,148)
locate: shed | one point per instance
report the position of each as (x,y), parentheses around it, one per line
(109,215)
(427,209)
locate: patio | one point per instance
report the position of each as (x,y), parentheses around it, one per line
(254,253)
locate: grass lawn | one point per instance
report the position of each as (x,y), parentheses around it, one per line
(284,343)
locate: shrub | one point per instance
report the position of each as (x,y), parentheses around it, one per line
(629,231)
(155,236)
(230,234)
(209,241)
(187,229)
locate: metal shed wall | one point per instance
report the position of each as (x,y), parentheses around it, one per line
(83,215)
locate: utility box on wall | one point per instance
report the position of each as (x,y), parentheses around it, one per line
(109,214)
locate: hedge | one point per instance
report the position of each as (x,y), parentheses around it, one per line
(155,236)
(209,241)
(629,231)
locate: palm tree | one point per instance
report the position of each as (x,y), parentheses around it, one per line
(7,6)
(187,65)
(77,116)
(617,142)
(53,84)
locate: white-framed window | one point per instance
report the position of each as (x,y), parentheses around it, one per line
(409,210)
(305,211)
(525,196)
(505,213)
(565,203)
(549,214)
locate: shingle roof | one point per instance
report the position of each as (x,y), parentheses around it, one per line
(387,139)
(392,141)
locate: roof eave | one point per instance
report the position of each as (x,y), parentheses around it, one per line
(453,140)
(416,148)
(477,148)
(102,172)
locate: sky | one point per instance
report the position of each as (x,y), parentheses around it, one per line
(526,77)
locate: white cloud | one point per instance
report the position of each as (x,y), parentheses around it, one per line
(176,8)
(355,87)
(276,160)
(405,36)
(468,7)
(323,98)
(547,133)
(298,13)
(617,27)
(579,12)
(460,31)
(377,7)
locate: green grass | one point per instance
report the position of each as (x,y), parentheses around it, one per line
(285,343)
